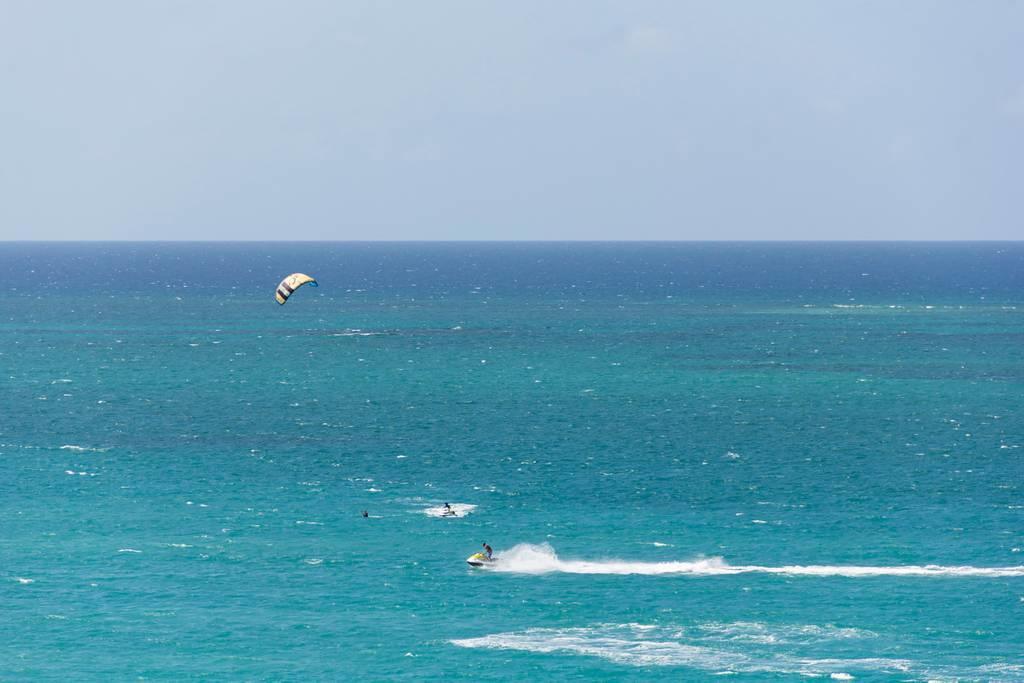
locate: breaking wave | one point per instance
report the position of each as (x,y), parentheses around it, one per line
(527,558)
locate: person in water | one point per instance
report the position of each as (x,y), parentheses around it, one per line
(487,549)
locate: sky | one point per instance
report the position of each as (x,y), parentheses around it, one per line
(477,120)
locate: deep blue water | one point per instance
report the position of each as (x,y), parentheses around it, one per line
(763,460)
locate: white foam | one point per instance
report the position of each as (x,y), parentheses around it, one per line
(23,581)
(128,550)
(1004,669)
(642,645)
(527,558)
(777,634)
(82,449)
(619,648)
(460,509)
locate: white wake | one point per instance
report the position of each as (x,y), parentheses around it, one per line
(527,558)
(460,510)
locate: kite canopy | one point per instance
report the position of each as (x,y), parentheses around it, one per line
(290,284)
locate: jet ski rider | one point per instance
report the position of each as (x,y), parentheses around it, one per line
(487,549)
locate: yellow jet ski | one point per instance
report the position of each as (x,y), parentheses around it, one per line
(480,560)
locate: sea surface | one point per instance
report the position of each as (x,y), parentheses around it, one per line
(743,462)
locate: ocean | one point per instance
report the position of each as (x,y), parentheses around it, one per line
(757,461)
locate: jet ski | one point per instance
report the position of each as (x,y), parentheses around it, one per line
(480,560)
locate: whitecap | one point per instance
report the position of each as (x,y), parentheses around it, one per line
(128,550)
(23,581)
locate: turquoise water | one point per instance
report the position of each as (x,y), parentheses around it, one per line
(766,461)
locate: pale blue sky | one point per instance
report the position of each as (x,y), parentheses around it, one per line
(515,120)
